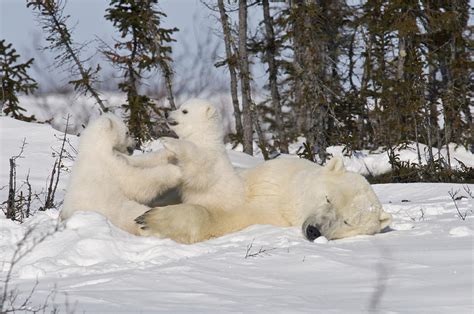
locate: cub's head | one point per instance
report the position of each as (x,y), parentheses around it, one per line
(108,132)
(353,206)
(196,120)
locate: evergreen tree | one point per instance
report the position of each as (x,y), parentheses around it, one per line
(248,118)
(14,80)
(144,47)
(448,41)
(313,29)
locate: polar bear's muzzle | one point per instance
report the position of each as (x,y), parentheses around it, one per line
(171,122)
(310,230)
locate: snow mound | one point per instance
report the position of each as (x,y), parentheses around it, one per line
(460,231)
(85,244)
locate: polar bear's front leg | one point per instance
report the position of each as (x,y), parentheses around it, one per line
(143,184)
(184,223)
(181,148)
(149,160)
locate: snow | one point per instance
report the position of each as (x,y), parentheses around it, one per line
(423,264)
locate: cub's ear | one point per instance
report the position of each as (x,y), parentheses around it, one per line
(105,122)
(211,111)
(108,123)
(335,165)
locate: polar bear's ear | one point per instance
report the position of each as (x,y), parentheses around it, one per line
(335,165)
(210,111)
(108,123)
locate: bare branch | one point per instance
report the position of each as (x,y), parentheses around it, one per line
(454,196)
(260,252)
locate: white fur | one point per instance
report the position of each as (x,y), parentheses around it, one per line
(282,192)
(106,180)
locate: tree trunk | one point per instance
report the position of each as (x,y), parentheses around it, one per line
(231,64)
(247,119)
(168,74)
(430,106)
(270,52)
(401,58)
(298,50)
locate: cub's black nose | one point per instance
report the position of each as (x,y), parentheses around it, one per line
(311,233)
(166,114)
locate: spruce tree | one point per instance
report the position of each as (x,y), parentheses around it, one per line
(14,79)
(143,48)
(448,41)
(313,32)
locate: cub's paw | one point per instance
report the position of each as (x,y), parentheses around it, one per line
(168,156)
(171,144)
(180,148)
(182,223)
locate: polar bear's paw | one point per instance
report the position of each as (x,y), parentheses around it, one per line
(171,144)
(180,148)
(182,223)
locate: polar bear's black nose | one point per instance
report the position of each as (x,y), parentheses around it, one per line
(311,233)
(166,114)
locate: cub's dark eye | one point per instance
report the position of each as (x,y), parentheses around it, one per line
(185,111)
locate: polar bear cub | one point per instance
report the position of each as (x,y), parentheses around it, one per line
(106,180)
(327,201)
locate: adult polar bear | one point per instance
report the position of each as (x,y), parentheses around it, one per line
(106,180)
(327,201)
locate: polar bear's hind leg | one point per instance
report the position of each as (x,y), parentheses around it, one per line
(184,223)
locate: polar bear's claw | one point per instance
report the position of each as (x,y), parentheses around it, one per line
(140,219)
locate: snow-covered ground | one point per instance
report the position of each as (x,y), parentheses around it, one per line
(424,264)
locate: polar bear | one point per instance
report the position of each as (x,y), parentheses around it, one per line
(328,201)
(106,180)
